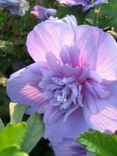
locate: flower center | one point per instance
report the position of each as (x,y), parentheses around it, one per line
(68,90)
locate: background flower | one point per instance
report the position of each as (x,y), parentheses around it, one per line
(18,7)
(87,4)
(42,13)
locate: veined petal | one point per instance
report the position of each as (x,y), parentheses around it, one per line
(107,55)
(22,87)
(88,52)
(48,37)
(101,55)
(105,116)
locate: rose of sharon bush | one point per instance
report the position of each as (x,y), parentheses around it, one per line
(87,4)
(73,81)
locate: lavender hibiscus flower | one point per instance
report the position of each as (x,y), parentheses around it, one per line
(73,81)
(87,4)
(42,13)
(18,7)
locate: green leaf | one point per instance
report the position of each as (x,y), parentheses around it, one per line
(7,47)
(34,132)
(107,14)
(1,125)
(12,135)
(74,10)
(100,143)
(12,151)
(16,112)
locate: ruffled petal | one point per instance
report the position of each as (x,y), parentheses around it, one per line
(57,127)
(48,37)
(70,55)
(22,88)
(105,115)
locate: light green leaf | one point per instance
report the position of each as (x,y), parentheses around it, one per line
(12,135)
(16,112)
(100,143)
(1,125)
(34,132)
(12,151)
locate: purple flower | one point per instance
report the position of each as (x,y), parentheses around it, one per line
(87,4)
(69,147)
(18,7)
(42,13)
(73,80)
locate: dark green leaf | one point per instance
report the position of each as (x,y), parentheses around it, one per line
(1,125)
(7,47)
(100,143)
(34,132)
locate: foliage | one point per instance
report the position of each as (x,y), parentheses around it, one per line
(99,143)
(35,131)
(11,139)
(21,136)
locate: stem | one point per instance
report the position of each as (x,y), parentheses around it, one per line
(96,15)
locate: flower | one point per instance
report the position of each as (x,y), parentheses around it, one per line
(69,147)
(18,7)
(87,4)
(73,81)
(42,13)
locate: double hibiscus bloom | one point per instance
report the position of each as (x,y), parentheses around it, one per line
(73,81)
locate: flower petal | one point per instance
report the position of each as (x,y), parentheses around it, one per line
(48,37)
(70,55)
(22,88)
(56,128)
(42,13)
(105,116)
(101,55)
(69,147)
(107,57)
(88,52)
